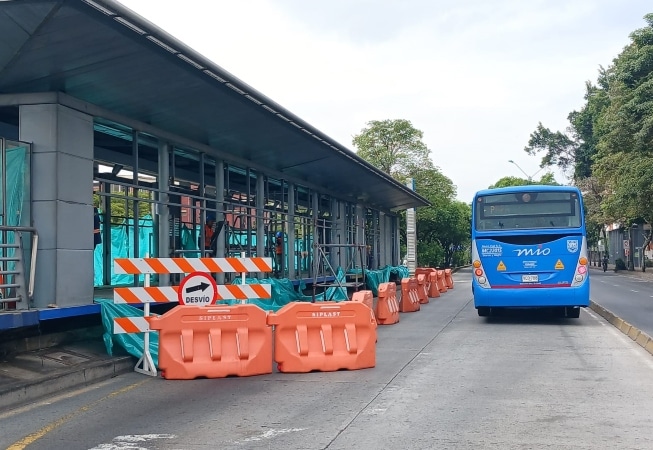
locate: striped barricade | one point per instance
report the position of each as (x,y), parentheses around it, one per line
(434,292)
(409,297)
(387,307)
(122,325)
(422,289)
(324,336)
(365,297)
(147,295)
(431,280)
(135,266)
(448,278)
(442,284)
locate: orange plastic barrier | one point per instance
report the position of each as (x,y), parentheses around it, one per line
(434,292)
(422,289)
(442,284)
(364,297)
(387,307)
(409,296)
(213,342)
(431,280)
(448,277)
(324,336)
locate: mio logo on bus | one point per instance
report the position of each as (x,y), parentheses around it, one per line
(532,251)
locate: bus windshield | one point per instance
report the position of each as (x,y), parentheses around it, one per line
(528,210)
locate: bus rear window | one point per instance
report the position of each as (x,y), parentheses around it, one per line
(528,210)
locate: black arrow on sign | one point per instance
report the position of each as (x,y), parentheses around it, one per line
(200,287)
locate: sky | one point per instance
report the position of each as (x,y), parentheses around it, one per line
(475,76)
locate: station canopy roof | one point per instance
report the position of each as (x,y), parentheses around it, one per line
(101,52)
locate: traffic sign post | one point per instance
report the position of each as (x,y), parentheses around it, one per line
(198,289)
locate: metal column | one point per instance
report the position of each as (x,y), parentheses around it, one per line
(162,206)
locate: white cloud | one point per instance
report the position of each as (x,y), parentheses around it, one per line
(475,76)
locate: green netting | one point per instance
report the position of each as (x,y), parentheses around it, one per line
(373,278)
(17,184)
(133,343)
(121,247)
(284,292)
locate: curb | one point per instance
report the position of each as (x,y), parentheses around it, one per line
(634,333)
(51,385)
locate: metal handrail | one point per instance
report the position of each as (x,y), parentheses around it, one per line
(35,244)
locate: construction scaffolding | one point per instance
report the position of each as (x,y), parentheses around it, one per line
(352,276)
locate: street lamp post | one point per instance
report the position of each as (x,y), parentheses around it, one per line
(528,177)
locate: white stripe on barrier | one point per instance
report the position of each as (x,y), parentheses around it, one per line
(145,295)
(122,325)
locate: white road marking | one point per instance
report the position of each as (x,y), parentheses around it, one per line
(132,441)
(270,434)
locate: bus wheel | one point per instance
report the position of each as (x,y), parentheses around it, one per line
(572,313)
(484,312)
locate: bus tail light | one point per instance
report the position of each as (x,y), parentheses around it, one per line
(476,264)
(582,261)
(478,272)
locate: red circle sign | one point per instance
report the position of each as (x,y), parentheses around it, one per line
(198,289)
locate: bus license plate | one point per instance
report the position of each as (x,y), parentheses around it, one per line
(529,279)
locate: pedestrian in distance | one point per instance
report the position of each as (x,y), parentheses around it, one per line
(210,235)
(278,253)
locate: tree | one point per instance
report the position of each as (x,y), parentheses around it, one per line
(443,229)
(609,143)
(393,146)
(547,178)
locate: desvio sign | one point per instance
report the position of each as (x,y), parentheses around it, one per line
(198,289)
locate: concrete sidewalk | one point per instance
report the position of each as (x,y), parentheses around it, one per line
(35,367)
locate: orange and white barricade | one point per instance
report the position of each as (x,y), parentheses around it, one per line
(387,307)
(153,294)
(409,297)
(431,280)
(422,289)
(434,292)
(213,341)
(448,277)
(442,284)
(324,336)
(365,297)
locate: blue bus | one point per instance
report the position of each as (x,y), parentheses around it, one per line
(529,249)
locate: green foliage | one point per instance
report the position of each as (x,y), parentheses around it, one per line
(609,142)
(443,229)
(559,149)
(619,264)
(123,208)
(547,178)
(395,147)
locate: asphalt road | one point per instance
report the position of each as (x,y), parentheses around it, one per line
(444,379)
(628,295)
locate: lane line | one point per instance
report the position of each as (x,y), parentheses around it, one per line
(33,437)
